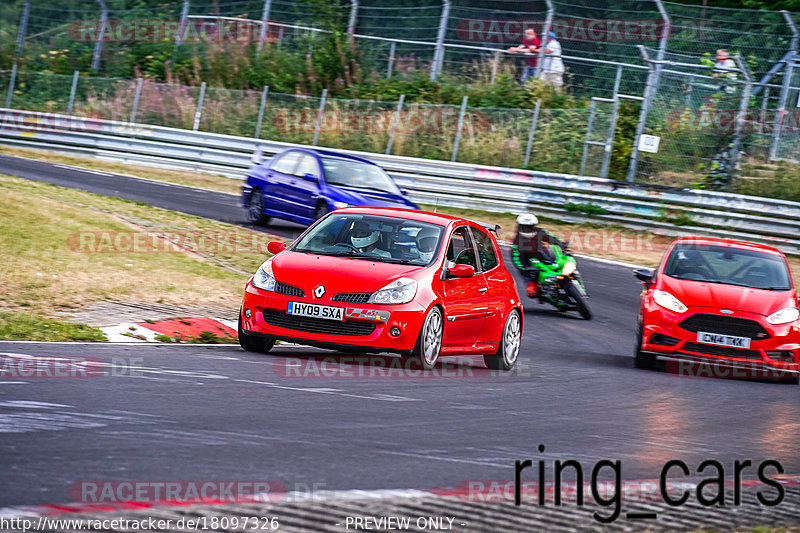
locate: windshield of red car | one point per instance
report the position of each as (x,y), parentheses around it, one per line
(348,173)
(729,266)
(376,238)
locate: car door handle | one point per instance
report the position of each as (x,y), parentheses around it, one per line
(482,289)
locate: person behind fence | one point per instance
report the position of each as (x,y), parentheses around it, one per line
(532,242)
(553,65)
(725,69)
(530,45)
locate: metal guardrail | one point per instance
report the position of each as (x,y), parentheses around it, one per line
(463,185)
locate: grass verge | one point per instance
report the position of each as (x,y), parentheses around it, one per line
(31,327)
(65,249)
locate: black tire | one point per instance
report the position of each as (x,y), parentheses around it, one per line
(254,343)
(255,208)
(321,210)
(580,301)
(642,359)
(429,342)
(507,352)
(791,381)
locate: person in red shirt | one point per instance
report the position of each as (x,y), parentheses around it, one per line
(530,44)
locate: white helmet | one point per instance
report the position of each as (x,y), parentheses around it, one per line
(526,223)
(361,236)
(427,238)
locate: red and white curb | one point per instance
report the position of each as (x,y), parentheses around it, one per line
(641,491)
(178,328)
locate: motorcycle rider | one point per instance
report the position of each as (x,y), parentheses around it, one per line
(532,242)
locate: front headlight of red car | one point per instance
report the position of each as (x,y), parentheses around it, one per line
(264,278)
(784,316)
(668,301)
(400,291)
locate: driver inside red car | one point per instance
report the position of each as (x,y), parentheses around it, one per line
(365,240)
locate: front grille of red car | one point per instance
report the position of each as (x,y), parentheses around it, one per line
(353,297)
(350,328)
(723,351)
(289,290)
(725,325)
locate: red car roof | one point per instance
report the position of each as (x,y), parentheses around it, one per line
(729,242)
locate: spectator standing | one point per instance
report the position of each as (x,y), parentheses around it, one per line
(725,68)
(530,45)
(553,65)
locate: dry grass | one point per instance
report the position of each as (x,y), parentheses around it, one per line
(62,252)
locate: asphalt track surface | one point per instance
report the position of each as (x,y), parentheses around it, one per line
(177,413)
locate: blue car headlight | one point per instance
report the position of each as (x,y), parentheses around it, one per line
(264,279)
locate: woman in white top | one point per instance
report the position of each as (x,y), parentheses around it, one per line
(553,65)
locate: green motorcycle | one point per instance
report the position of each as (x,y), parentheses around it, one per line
(560,283)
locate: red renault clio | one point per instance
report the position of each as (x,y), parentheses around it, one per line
(720,302)
(387,280)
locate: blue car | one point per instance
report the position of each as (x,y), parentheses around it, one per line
(302,185)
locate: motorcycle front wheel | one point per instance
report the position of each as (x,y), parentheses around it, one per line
(575,295)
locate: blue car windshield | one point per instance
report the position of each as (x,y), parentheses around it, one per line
(376,238)
(729,266)
(359,175)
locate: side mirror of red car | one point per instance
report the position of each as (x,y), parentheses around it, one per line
(275,247)
(461,271)
(644,274)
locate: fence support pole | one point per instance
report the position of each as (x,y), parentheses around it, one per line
(787,80)
(763,114)
(457,140)
(320,113)
(72,90)
(136,98)
(438,53)
(495,66)
(23,28)
(11,83)
(650,89)
(351,22)
(98,46)
(183,23)
(548,23)
(390,66)
(261,109)
(262,34)
(395,124)
(612,127)
(199,111)
(741,118)
(532,132)
(589,124)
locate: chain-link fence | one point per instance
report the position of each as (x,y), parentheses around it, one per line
(674,96)
(547,139)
